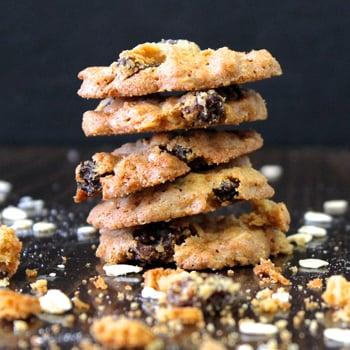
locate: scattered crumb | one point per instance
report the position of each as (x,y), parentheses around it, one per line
(121,333)
(153,276)
(4,282)
(269,273)
(211,344)
(80,305)
(316,283)
(100,283)
(39,286)
(268,302)
(14,306)
(185,315)
(10,250)
(311,304)
(31,273)
(20,326)
(298,319)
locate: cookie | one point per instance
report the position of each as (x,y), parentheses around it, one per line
(175,65)
(203,241)
(192,194)
(10,251)
(162,158)
(202,109)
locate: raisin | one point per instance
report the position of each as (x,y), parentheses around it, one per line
(227,191)
(210,106)
(155,242)
(181,152)
(91,179)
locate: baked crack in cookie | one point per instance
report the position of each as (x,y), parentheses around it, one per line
(203,241)
(201,109)
(192,194)
(162,158)
(175,65)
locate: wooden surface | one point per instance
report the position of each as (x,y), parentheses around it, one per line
(310,177)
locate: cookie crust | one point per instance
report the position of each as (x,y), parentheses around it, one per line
(215,242)
(177,65)
(163,157)
(191,110)
(192,194)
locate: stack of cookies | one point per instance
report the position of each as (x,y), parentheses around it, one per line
(162,195)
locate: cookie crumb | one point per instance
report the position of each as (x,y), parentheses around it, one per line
(185,315)
(316,283)
(121,333)
(100,283)
(269,273)
(31,273)
(15,305)
(39,286)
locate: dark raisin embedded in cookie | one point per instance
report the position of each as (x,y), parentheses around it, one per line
(227,191)
(211,106)
(130,66)
(90,179)
(155,242)
(181,152)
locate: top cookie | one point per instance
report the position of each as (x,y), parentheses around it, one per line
(175,65)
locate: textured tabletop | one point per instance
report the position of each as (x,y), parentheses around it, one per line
(310,176)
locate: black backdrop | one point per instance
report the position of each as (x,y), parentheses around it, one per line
(45,43)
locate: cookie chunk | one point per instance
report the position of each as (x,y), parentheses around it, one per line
(176,65)
(14,306)
(121,333)
(10,250)
(162,158)
(199,242)
(192,194)
(202,109)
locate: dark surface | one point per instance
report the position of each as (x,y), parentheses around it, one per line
(45,44)
(310,177)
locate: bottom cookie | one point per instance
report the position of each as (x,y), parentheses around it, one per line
(203,241)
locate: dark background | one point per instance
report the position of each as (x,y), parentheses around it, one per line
(45,43)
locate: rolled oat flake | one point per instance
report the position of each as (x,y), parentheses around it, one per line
(313,263)
(335,207)
(12,213)
(340,335)
(43,228)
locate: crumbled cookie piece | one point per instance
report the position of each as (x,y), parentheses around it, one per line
(337,293)
(269,273)
(185,315)
(10,250)
(153,276)
(161,158)
(177,66)
(188,195)
(39,286)
(316,283)
(193,289)
(80,305)
(15,305)
(121,333)
(211,344)
(100,283)
(31,273)
(267,301)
